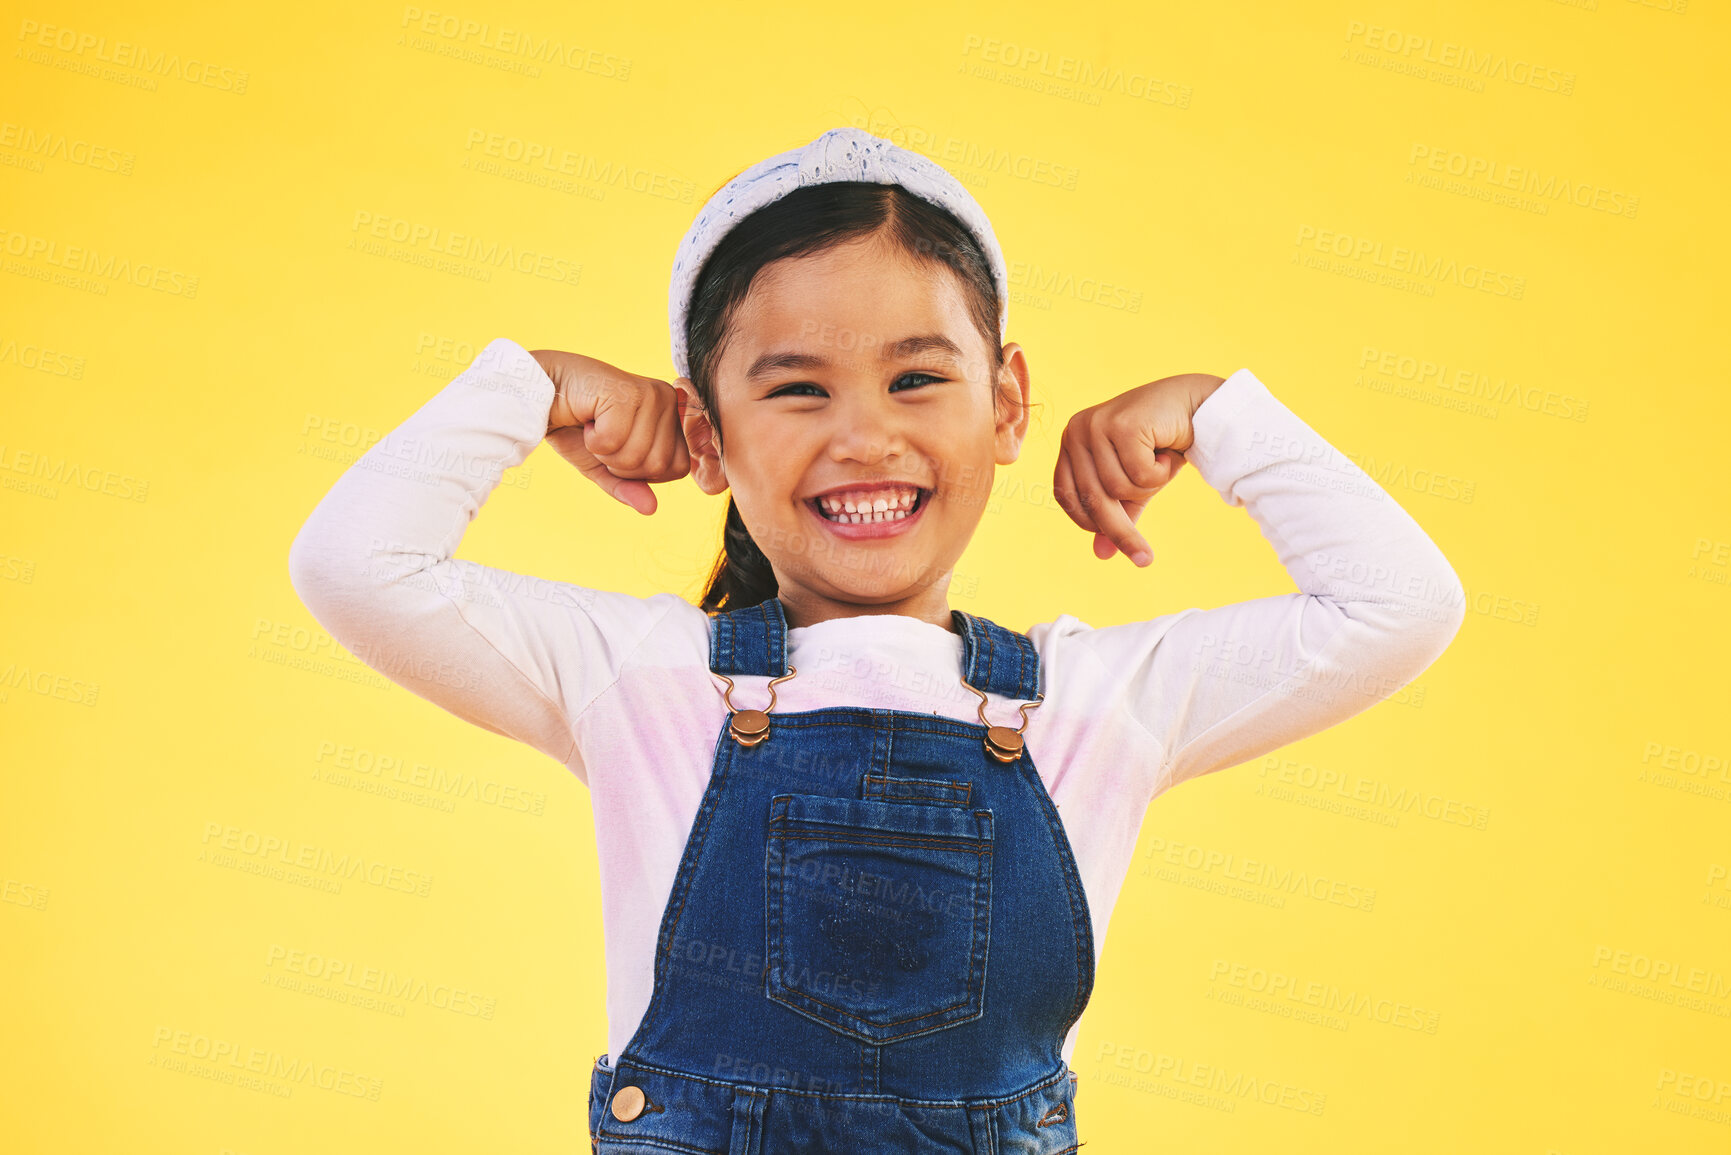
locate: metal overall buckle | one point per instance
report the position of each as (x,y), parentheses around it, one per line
(749,727)
(1003,743)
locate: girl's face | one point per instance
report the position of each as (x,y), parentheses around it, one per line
(855,376)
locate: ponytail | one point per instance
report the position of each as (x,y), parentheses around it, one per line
(742,576)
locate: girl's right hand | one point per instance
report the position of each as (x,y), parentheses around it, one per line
(621,430)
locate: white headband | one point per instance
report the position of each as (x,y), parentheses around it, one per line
(841,154)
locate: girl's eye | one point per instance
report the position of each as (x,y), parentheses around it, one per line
(788,390)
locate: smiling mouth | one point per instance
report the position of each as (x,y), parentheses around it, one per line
(875,507)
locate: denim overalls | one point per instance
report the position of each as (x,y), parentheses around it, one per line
(877,939)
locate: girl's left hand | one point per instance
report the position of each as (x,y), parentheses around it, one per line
(1117,455)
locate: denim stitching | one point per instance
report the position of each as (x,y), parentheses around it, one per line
(910,791)
(775,637)
(659,1144)
(932,843)
(657,1141)
(952,727)
(959,1104)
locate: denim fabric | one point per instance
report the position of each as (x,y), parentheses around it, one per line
(877,939)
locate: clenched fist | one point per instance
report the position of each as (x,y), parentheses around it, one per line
(1115,456)
(621,430)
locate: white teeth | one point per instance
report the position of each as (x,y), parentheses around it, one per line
(862,509)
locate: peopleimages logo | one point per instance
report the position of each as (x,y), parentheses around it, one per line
(1409,49)
(83,47)
(548,159)
(109,266)
(1088,290)
(961,156)
(416,236)
(513,43)
(1544,188)
(1401,259)
(45,144)
(1069,76)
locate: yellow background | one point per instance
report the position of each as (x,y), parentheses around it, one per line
(162,680)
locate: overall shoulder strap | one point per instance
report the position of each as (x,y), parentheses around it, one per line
(752,640)
(997,660)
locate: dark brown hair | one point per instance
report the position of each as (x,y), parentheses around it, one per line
(805,222)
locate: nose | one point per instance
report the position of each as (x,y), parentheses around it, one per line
(869,430)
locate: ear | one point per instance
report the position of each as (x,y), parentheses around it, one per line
(1012,404)
(702,443)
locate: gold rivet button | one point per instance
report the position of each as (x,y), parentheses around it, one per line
(628,1104)
(749,727)
(1003,743)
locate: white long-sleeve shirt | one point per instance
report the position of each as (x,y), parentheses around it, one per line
(617,688)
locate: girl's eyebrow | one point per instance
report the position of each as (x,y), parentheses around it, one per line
(933,343)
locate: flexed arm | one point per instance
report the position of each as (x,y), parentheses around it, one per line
(1215,687)
(514,654)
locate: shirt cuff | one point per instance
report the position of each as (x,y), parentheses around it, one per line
(1216,450)
(506,369)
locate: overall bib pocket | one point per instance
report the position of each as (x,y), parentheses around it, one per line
(879,913)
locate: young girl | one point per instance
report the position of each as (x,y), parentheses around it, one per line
(859,849)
